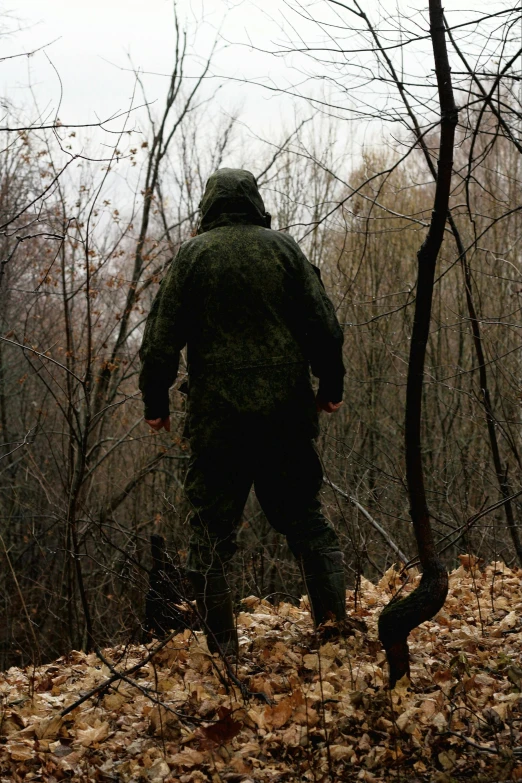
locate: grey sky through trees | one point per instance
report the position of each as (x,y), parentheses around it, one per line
(92,43)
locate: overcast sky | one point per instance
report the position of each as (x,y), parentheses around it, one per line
(91,43)
(95,40)
(89,36)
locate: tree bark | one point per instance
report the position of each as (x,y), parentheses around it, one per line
(402,616)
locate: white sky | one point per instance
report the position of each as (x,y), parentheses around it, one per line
(93,33)
(93,40)
(97,37)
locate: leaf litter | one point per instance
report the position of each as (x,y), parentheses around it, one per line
(318,708)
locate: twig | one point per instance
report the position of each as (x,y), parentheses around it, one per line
(41,355)
(146,691)
(385,535)
(484,748)
(118,676)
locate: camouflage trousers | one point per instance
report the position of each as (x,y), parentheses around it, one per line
(286,473)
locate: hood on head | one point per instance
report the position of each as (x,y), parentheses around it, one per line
(231,195)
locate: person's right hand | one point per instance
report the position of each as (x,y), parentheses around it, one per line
(158,424)
(327,407)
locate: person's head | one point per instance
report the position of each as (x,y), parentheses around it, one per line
(232,195)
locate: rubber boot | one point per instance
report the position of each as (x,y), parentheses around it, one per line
(215,607)
(325,584)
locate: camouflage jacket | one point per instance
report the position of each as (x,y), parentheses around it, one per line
(253,314)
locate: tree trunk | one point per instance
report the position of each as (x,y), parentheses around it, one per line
(402,616)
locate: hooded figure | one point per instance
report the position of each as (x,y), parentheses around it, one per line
(255,318)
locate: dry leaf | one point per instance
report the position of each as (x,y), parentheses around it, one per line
(188,757)
(158,771)
(164,723)
(405,718)
(113,701)
(277,716)
(447,759)
(49,728)
(11,722)
(338,752)
(89,735)
(224,730)
(464,667)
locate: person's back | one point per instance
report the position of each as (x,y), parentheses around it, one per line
(254,316)
(245,347)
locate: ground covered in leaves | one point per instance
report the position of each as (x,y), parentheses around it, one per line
(320,710)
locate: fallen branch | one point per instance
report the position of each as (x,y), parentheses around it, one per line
(146,691)
(117,676)
(382,532)
(517,751)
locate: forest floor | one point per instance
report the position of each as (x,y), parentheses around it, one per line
(321,713)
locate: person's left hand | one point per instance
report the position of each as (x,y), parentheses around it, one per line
(158,424)
(327,407)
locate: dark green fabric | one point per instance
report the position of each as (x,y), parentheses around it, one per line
(286,472)
(253,314)
(231,196)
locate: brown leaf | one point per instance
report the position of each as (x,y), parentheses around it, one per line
(224,730)
(259,683)
(158,772)
(365,742)
(49,728)
(188,757)
(470,562)
(44,685)
(277,716)
(164,723)
(10,722)
(89,735)
(448,759)
(113,701)
(338,752)
(19,751)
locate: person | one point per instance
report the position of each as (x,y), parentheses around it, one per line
(255,318)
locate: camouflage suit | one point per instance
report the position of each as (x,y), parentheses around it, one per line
(255,318)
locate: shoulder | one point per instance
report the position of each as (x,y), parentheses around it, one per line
(188,251)
(284,244)
(278,242)
(191,244)
(282,238)
(290,246)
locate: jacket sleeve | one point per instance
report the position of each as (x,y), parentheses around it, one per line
(323,336)
(163,339)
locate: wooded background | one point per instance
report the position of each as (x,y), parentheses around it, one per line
(84,483)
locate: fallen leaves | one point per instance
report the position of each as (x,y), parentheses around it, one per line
(330,716)
(48,728)
(164,723)
(222,731)
(292,707)
(89,735)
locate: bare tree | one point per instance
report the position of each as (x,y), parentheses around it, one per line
(402,616)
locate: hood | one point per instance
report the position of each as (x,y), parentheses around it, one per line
(231,197)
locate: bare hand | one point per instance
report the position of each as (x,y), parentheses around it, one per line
(328,407)
(158,424)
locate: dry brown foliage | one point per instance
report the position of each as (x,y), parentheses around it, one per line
(325,715)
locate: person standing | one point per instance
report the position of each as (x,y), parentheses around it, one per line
(255,318)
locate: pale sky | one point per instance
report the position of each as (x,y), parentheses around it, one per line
(96,39)
(93,40)
(92,35)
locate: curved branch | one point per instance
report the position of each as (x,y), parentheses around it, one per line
(402,616)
